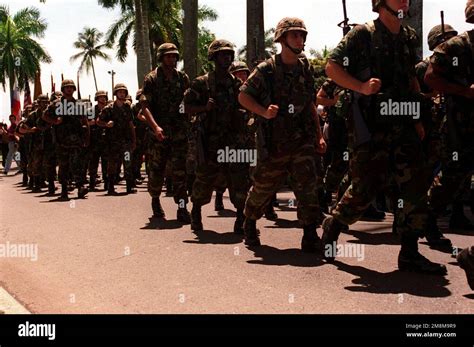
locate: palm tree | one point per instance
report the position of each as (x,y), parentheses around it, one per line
(20,54)
(255,32)
(89,43)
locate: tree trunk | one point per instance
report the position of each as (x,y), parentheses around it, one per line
(148,45)
(416,22)
(255,32)
(93,72)
(142,41)
(190,28)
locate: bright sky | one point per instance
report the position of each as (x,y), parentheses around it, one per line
(66,18)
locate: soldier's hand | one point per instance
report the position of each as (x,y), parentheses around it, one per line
(271,112)
(110,124)
(321,146)
(211,104)
(159,134)
(59,120)
(371,87)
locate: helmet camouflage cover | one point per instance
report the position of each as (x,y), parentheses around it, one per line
(68,83)
(239,66)
(42,97)
(436,37)
(219,46)
(167,48)
(120,86)
(99,94)
(289,24)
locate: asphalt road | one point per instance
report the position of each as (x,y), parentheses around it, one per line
(105,255)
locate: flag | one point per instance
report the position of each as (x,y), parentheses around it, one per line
(15,102)
(78,87)
(27,96)
(38,88)
(53,86)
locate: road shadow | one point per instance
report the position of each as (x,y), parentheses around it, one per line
(395,282)
(285,224)
(225,214)
(281,257)
(469,296)
(368,238)
(212,237)
(162,224)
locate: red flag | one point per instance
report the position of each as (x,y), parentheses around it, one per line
(15,102)
(27,96)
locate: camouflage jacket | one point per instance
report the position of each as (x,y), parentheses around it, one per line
(121,116)
(293,90)
(164,97)
(70,133)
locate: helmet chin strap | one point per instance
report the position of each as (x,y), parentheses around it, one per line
(392,12)
(296,51)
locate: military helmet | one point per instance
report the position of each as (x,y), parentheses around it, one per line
(139,94)
(68,83)
(436,37)
(376,4)
(55,96)
(219,46)
(470,11)
(167,48)
(120,86)
(239,66)
(42,97)
(99,94)
(289,24)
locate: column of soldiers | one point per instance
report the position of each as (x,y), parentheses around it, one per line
(273,110)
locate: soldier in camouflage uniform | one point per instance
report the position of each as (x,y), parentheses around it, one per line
(35,164)
(281,91)
(117,119)
(22,148)
(97,145)
(213,98)
(451,73)
(162,105)
(141,129)
(376,61)
(71,136)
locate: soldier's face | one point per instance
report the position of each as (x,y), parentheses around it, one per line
(170,60)
(121,95)
(43,104)
(224,59)
(399,5)
(102,100)
(68,91)
(295,39)
(242,75)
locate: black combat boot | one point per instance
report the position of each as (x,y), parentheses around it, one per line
(196,219)
(371,213)
(37,185)
(270,213)
(81,191)
(130,187)
(51,188)
(251,233)
(92,183)
(111,188)
(157,209)
(219,203)
(458,219)
(31,183)
(434,236)
(332,229)
(169,186)
(311,243)
(275,201)
(24,182)
(183,215)
(409,259)
(64,192)
(106,184)
(466,262)
(239,223)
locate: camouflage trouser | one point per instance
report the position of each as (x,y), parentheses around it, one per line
(71,161)
(118,153)
(36,161)
(49,163)
(96,154)
(191,155)
(137,159)
(212,172)
(271,174)
(335,171)
(160,153)
(453,180)
(374,166)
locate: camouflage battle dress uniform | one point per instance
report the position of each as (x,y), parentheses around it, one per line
(387,149)
(163,96)
(219,129)
(286,143)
